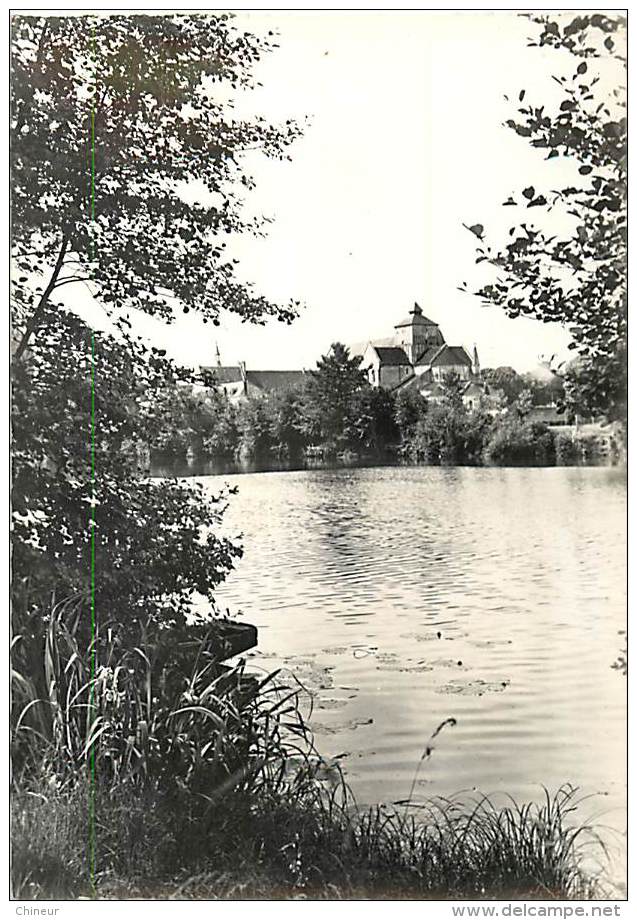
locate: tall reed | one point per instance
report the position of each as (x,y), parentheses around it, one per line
(207,782)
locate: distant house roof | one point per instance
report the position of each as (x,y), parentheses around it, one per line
(474,387)
(392,356)
(268,381)
(415,318)
(230,374)
(276,381)
(451,356)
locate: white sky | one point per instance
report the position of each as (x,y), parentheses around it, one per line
(405,145)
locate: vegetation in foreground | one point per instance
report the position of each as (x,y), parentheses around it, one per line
(301,841)
(207,784)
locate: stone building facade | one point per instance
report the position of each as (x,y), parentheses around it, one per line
(416,355)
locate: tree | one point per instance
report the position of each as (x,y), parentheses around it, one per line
(112,117)
(513,443)
(330,393)
(155,540)
(452,386)
(546,390)
(523,404)
(505,379)
(255,427)
(410,406)
(371,423)
(220,435)
(288,428)
(575,276)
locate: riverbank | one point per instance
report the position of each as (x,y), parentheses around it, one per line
(514,446)
(188,781)
(307,840)
(367,425)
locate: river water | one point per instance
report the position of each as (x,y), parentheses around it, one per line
(404,596)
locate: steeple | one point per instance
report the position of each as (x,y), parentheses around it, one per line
(218,354)
(476,362)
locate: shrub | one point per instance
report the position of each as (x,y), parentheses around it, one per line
(515,443)
(448,433)
(567,449)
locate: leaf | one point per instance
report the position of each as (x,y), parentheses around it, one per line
(201,710)
(582,68)
(529,192)
(585,170)
(476,229)
(521,96)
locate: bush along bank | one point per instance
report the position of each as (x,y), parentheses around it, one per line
(151,773)
(338,415)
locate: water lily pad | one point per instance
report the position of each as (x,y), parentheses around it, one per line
(473,687)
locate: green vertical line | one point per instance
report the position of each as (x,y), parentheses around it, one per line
(93,662)
(92,207)
(93,162)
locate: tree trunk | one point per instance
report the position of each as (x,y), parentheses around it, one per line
(35,319)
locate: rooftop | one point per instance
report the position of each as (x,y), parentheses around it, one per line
(451,355)
(228,374)
(392,356)
(276,381)
(415,318)
(268,381)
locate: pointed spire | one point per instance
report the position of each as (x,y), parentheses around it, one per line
(218,354)
(476,361)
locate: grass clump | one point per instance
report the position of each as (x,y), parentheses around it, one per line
(207,784)
(309,843)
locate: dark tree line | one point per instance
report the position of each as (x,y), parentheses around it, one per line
(338,413)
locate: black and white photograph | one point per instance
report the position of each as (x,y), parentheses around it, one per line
(318,459)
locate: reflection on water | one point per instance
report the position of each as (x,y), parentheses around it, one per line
(405,596)
(170,464)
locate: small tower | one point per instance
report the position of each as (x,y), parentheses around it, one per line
(218,355)
(416,333)
(475,367)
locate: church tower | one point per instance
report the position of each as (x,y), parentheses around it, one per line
(416,334)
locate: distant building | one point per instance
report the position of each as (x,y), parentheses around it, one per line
(239,383)
(475,395)
(415,356)
(418,357)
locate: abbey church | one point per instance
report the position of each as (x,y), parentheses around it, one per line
(416,356)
